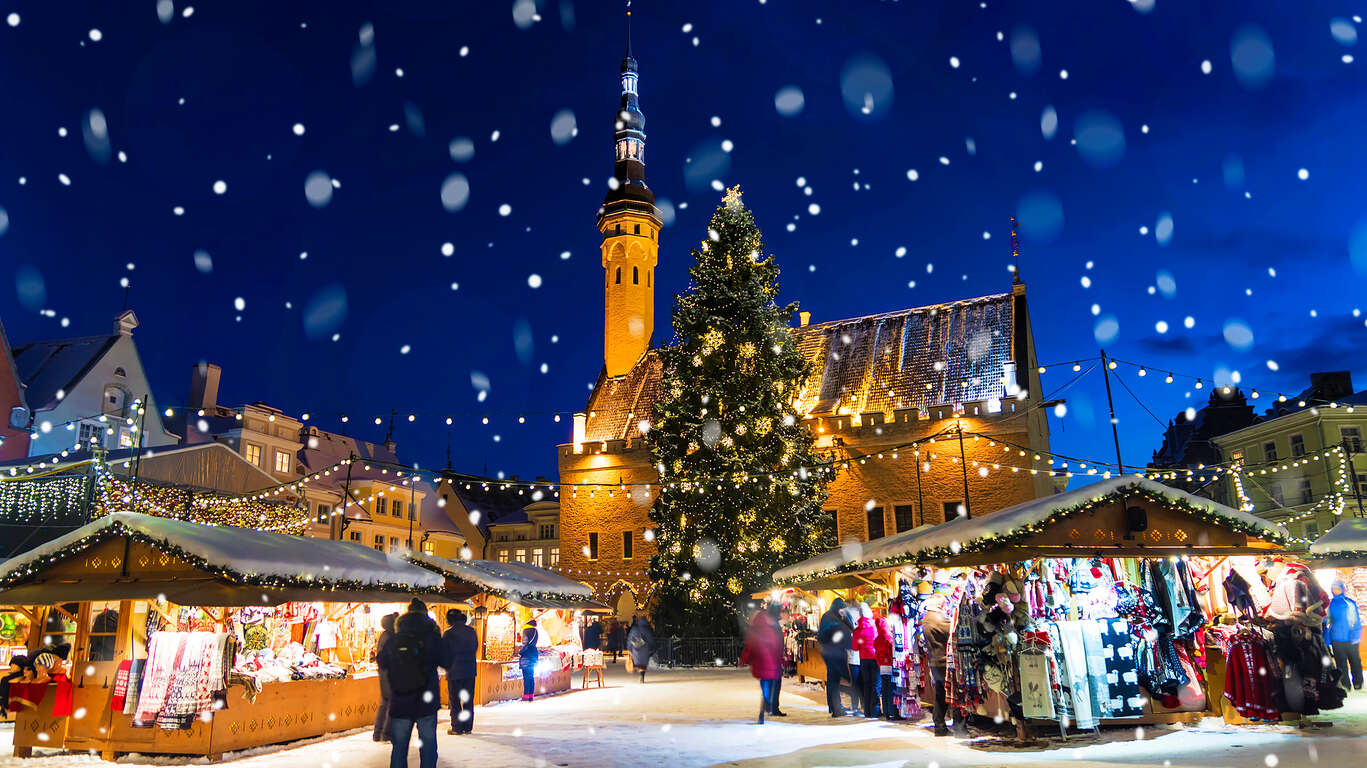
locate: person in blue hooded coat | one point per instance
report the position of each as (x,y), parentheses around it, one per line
(1343,630)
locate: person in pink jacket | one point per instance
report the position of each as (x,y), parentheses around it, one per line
(865,636)
(764,653)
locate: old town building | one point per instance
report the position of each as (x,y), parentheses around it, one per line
(962,369)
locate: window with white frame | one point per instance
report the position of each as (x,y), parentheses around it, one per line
(252,453)
(90,433)
(282,461)
(1297,445)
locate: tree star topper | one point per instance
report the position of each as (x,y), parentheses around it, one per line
(732,198)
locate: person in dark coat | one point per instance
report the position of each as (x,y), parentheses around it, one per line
(935,630)
(527,657)
(835,636)
(414,631)
(593,635)
(640,644)
(382,714)
(462,650)
(616,636)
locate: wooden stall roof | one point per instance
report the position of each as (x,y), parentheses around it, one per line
(520,583)
(1082,522)
(1343,546)
(132,556)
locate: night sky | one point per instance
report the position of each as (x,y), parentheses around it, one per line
(1233,197)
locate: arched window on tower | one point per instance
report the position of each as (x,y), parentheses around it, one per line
(619,275)
(648,273)
(635,276)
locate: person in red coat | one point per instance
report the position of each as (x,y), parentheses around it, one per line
(864,636)
(882,649)
(764,653)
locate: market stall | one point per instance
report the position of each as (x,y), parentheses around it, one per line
(192,639)
(1341,555)
(1112,604)
(505,598)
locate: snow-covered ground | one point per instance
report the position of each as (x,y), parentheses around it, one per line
(706,717)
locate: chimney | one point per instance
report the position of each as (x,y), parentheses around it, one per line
(580,427)
(1331,385)
(803,318)
(204,386)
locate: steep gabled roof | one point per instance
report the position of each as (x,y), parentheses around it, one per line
(49,367)
(942,354)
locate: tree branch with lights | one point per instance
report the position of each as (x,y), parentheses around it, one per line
(725,417)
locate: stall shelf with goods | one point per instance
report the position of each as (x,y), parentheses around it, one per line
(1111,604)
(190,639)
(504,599)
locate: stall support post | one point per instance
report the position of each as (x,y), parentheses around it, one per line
(137,458)
(1110,406)
(963,465)
(920,500)
(346,495)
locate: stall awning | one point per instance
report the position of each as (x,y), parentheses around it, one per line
(1180,523)
(132,556)
(520,583)
(1344,545)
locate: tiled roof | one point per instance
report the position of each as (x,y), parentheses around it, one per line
(49,367)
(943,354)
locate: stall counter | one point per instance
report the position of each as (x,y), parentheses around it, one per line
(280,713)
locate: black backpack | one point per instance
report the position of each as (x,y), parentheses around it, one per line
(409,671)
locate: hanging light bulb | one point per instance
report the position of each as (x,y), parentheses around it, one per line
(1143,371)
(1168,380)
(1199,384)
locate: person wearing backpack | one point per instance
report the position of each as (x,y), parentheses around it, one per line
(410,661)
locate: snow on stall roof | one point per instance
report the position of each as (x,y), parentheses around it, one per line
(965,531)
(504,578)
(1349,535)
(245,552)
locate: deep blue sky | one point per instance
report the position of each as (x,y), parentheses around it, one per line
(249,71)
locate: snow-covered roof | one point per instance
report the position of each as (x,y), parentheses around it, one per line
(1348,537)
(244,556)
(518,582)
(1003,527)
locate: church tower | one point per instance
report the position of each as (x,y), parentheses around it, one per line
(630,227)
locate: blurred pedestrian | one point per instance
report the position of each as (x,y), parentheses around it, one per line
(764,653)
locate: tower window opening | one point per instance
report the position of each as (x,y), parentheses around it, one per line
(635,276)
(629,83)
(638,229)
(648,271)
(619,275)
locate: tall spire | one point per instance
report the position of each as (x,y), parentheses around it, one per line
(629,140)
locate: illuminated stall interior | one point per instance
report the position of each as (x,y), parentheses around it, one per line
(275,632)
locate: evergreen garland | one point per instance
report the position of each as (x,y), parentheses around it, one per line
(15,576)
(743,495)
(1001,541)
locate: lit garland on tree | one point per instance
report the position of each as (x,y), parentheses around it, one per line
(724,420)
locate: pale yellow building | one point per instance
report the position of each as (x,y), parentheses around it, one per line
(1304,461)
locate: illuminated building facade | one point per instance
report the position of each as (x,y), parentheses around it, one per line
(879,383)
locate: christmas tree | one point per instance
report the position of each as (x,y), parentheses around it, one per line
(742,487)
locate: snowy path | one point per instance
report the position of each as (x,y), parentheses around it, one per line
(705,717)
